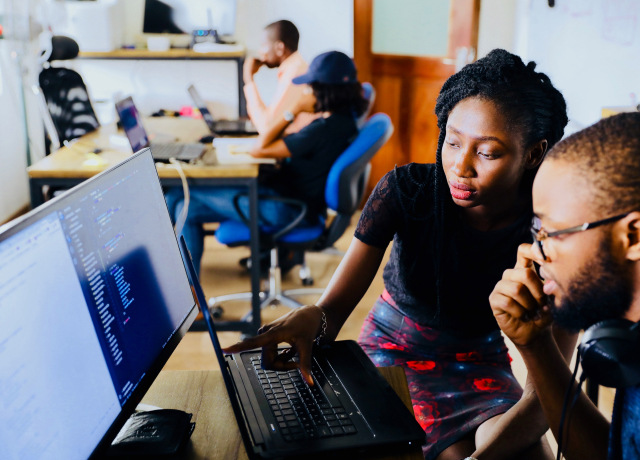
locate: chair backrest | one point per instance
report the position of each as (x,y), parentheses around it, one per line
(68,102)
(370,95)
(349,175)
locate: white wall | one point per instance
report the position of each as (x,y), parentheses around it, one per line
(163,84)
(589,48)
(14,189)
(497,25)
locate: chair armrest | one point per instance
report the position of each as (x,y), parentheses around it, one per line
(298,203)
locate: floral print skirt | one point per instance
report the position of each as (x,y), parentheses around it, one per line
(455,384)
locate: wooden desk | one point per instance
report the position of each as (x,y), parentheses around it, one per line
(67,168)
(179,54)
(217,436)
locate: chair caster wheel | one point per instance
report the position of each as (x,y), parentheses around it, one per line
(216,312)
(307,282)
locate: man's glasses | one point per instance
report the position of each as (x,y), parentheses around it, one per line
(540,234)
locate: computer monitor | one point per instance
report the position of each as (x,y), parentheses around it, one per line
(132,124)
(94,298)
(185,16)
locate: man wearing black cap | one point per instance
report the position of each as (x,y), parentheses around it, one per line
(335,95)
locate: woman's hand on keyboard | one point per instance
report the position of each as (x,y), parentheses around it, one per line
(299,328)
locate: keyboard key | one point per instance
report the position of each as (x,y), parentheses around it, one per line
(325,406)
(337,431)
(280,419)
(327,411)
(268,391)
(298,436)
(271,397)
(277,413)
(350,429)
(346,422)
(319,421)
(333,423)
(294,396)
(295,429)
(288,387)
(342,416)
(290,391)
(338,410)
(287,412)
(285,431)
(288,418)
(285,381)
(324,431)
(330,417)
(287,437)
(293,423)
(282,425)
(278,390)
(273,403)
(307,425)
(285,406)
(312,434)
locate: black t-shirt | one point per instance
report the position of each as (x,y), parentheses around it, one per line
(401,209)
(313,149)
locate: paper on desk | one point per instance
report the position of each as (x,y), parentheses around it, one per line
(235,150)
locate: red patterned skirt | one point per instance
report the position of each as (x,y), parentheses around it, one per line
(455,384)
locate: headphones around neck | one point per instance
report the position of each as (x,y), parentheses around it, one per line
(610,353)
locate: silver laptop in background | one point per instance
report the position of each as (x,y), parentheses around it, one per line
(220,127)
(138,138)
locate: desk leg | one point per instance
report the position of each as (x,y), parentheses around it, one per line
(255,256)
(37,196)
(242,103)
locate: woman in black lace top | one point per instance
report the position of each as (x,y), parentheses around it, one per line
(455,226)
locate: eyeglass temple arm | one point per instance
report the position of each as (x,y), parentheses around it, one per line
(587,225)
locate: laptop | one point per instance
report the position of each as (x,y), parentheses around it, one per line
(351,408)
(91,308)
(134,129)
(223,127)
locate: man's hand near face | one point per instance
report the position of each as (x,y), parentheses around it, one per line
(521,310)
(250,68)
(518,302)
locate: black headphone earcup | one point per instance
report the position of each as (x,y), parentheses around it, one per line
(610,354)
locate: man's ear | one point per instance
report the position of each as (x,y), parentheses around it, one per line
(536,154)
(632,229)
(279,48)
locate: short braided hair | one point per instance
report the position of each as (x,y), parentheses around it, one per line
(532,104)
(608,156)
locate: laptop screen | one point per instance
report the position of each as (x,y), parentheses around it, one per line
(202,107)
(132,124)
(92,290)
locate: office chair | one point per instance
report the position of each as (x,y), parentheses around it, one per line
(344,190)
(66,94)
(370,95)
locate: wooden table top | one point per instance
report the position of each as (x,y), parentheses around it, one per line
(173,53)
(74,163)
(217,436)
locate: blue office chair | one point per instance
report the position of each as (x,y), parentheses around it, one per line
(370,95)
(344,190)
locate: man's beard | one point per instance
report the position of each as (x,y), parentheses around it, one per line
(601,291)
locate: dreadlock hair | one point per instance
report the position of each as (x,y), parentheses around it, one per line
(607,154)
(531,104)
(343,98)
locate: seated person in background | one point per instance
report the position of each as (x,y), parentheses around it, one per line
(336,95)
(589,276)
(279,49)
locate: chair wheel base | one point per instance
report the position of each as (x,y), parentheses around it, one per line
(307,282)
(216,312)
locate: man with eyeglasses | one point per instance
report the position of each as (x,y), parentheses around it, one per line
(586,199)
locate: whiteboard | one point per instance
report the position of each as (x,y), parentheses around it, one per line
(589,48)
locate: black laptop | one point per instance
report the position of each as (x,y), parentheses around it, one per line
(221,127)
(351,408)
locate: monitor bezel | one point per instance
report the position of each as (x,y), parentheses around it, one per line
(11,228)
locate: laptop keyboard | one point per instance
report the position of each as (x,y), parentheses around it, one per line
(179,151)
(303,412)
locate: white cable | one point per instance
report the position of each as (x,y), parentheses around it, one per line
(180,221)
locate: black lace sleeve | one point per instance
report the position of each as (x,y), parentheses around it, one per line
(381,215)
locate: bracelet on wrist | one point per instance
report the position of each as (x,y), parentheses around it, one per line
(323,329)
